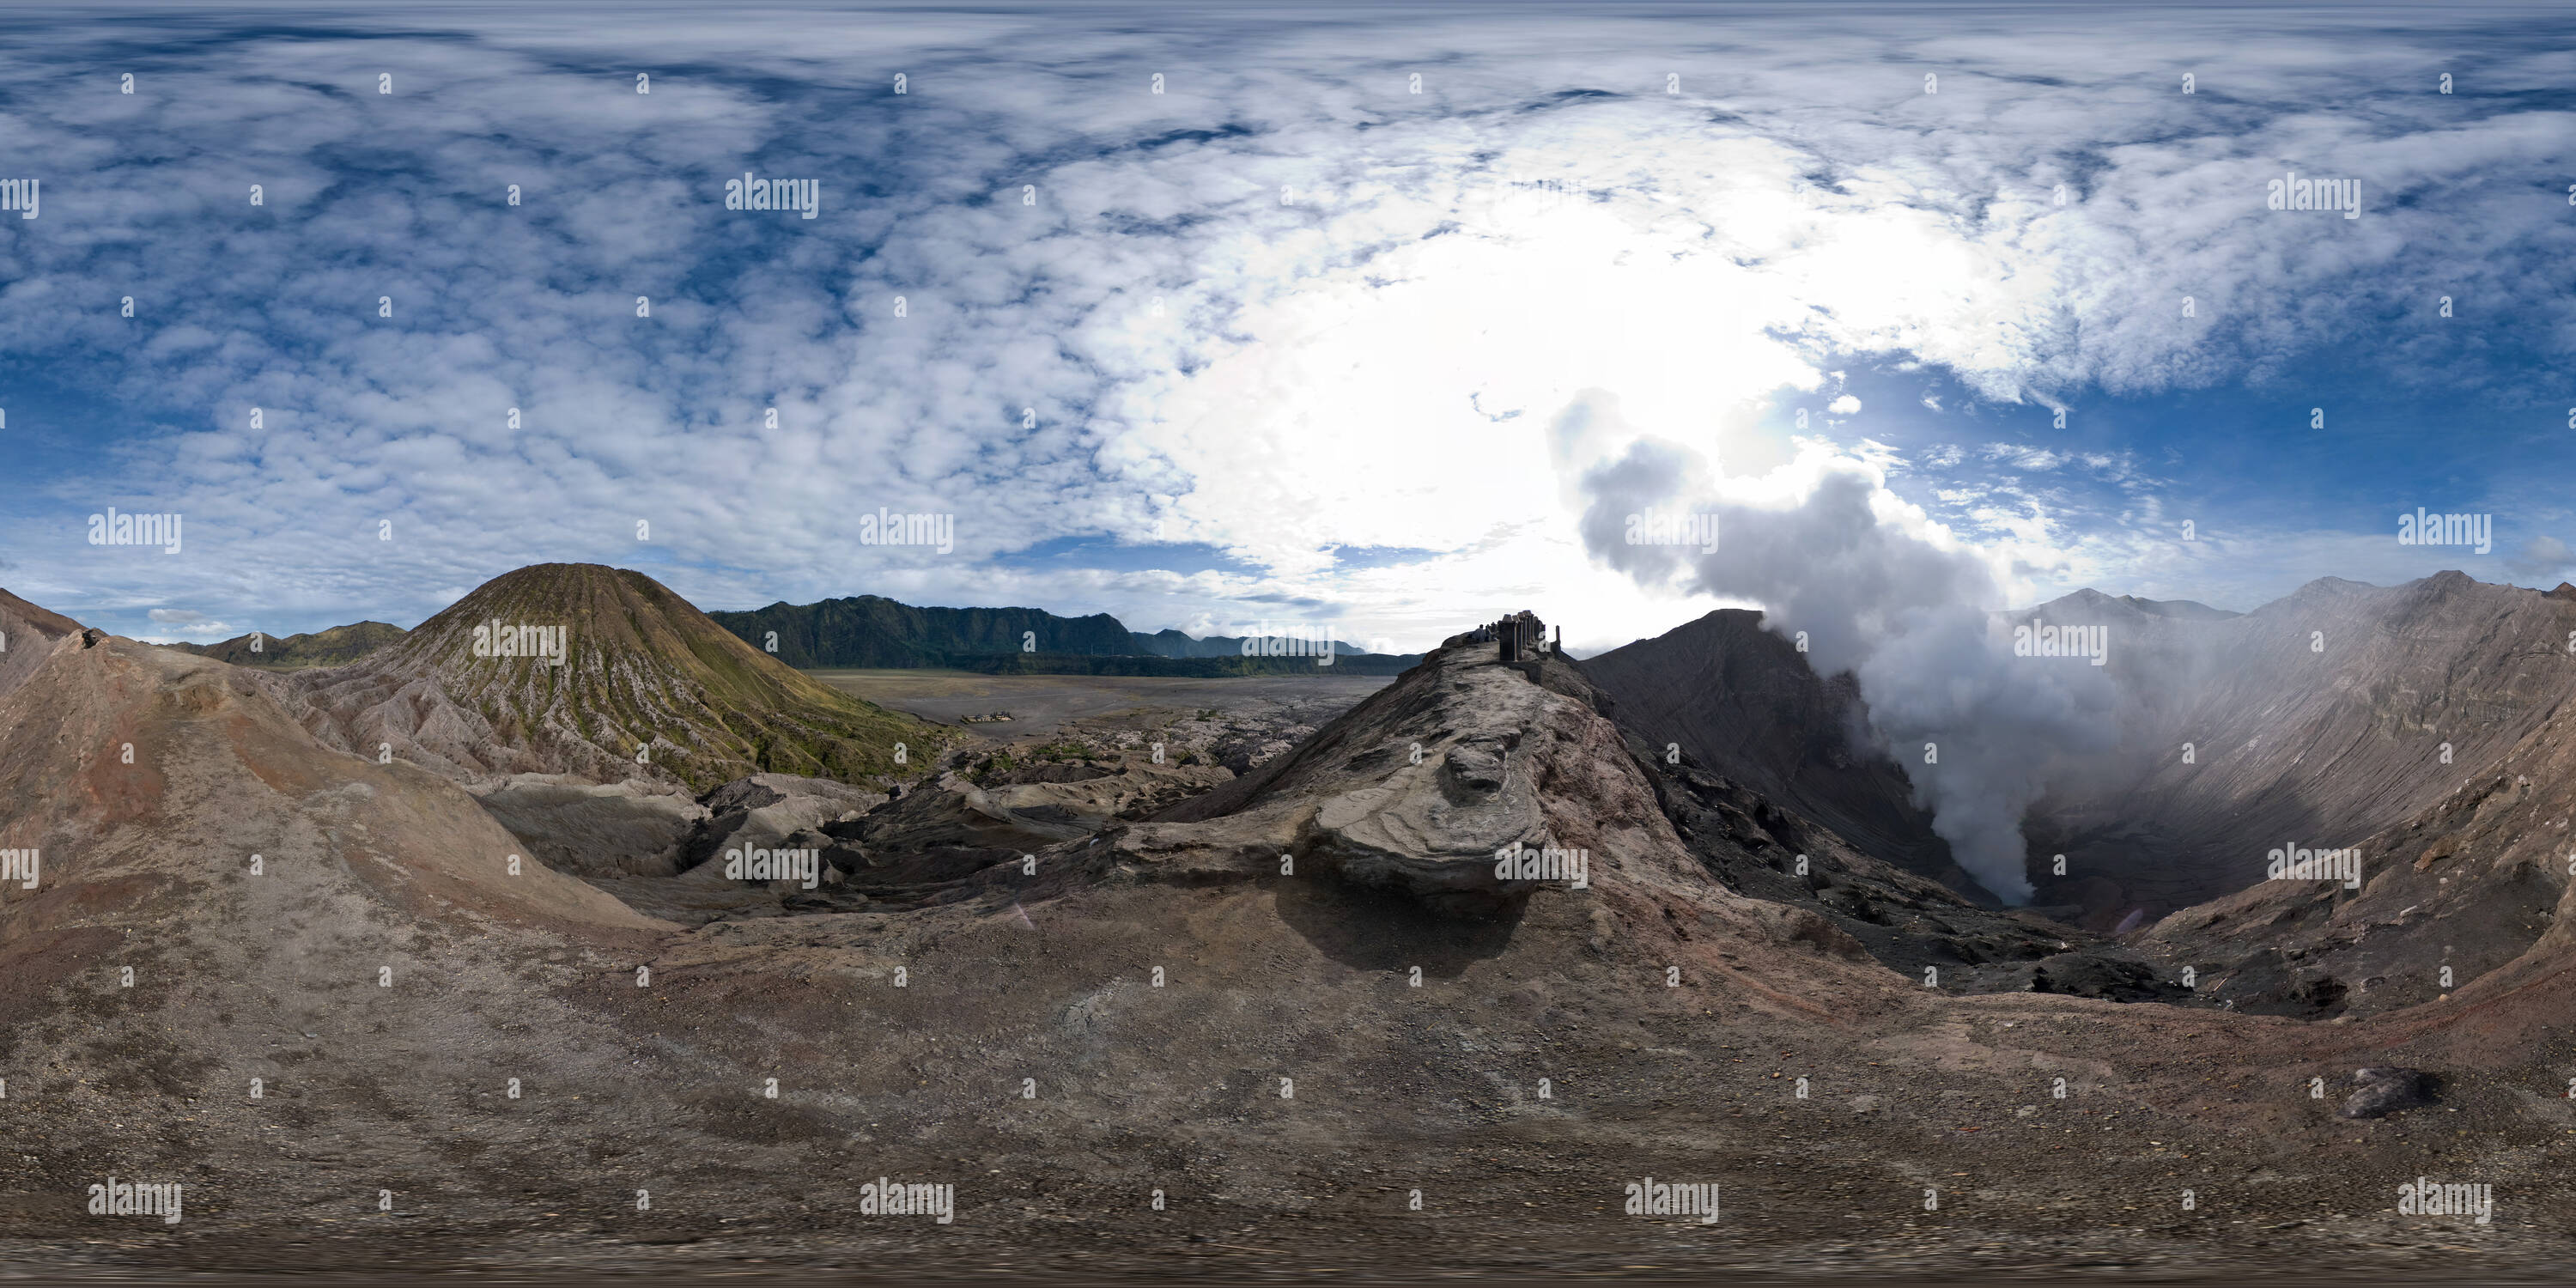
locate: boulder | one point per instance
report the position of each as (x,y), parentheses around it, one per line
(2385,1089)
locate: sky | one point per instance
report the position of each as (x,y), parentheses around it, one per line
(1253,318)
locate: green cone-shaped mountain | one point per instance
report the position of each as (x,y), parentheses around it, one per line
(477,690)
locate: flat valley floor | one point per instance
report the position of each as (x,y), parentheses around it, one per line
(1041,705)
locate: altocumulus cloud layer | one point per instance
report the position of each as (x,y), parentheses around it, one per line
(1281,342)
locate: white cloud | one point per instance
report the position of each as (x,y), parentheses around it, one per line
(1322,372)
(2541,559)
(188,625)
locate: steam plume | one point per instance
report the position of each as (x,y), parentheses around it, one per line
(1827,550)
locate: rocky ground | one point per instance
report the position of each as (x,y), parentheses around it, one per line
(1260,715)
(1161,1005)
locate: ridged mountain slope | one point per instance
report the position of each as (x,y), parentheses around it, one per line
(643,668)
(2319,719)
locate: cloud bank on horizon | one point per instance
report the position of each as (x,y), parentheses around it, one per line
(1237,322)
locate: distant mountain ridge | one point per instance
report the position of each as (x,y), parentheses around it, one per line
(2179,609)
(338,646)
(1172,643)
(872,632)
(1222,664)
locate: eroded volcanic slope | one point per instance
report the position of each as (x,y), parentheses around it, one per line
(2469,887)
(1292,1007)
(1741,702)
(2320,719)
(26,636)
(645,669)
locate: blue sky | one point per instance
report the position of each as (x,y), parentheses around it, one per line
(1281,344)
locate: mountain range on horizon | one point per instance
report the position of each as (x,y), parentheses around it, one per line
(335,646)
(873,632)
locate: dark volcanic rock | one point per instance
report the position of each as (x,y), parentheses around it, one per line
(2385,1089)
(709,835)
(740,794)
(1740,702)
(2096,975)
(1049,772)
(1906,921)
(774,811)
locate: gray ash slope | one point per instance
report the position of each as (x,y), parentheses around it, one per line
(1751,755)
(2462,890)
(2320,719)
(2421,725)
